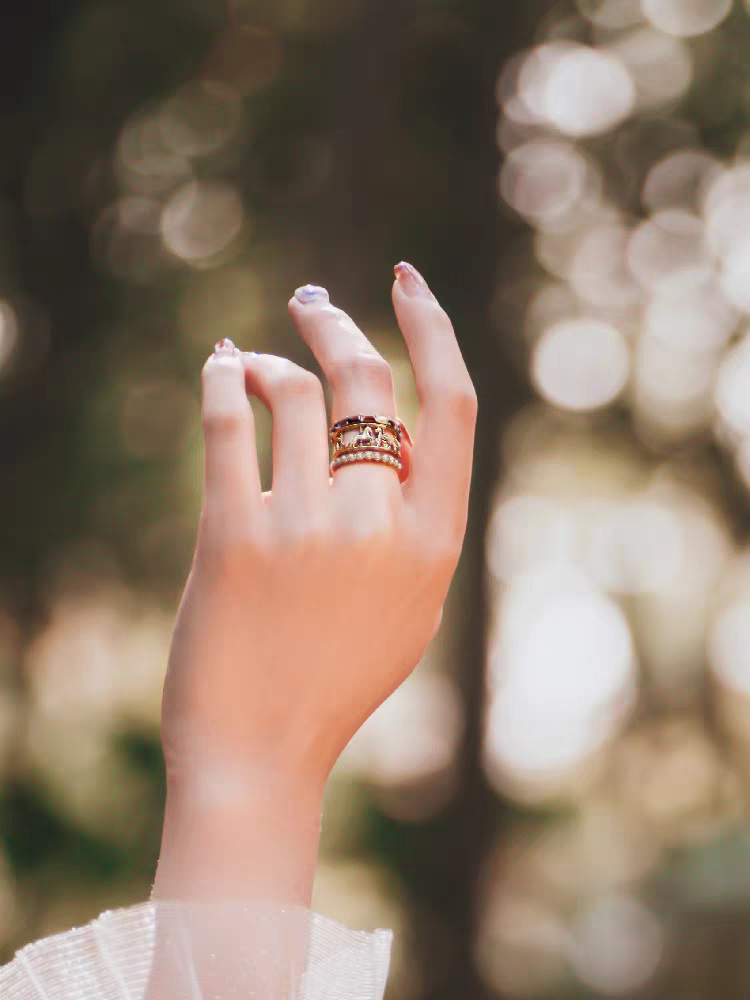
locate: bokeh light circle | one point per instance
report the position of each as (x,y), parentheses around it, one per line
(617,945)
(689,312)
(543,179)
(660,66)
(201,220)
(199,119)
(686,18)
(679,180)
(731,395)
(729,646)
(726,208)
(669,242)
(587,92)
(581,364)
(611,13)
(563,676)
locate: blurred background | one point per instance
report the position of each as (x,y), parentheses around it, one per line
(555,804)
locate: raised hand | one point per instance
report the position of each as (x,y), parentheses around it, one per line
(308,605)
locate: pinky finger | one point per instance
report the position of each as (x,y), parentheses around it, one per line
(232,476)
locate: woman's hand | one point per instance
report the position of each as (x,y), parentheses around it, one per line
(308,605)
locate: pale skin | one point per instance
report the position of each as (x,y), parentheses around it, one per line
(275,663)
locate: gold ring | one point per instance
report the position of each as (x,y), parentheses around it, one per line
(364,438)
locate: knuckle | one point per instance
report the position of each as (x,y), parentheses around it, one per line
(368,547)
(370,534)
(448,555)
(438,551)
(443,557)
(222,422)
(233,561)
(303,539)
(226,548)
(364,366)
(298,383)
(461,400)
(218,366)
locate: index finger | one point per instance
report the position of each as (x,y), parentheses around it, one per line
(442,458)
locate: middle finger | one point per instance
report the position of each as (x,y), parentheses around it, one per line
(360,378)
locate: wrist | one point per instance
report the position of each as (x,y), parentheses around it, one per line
(240,833)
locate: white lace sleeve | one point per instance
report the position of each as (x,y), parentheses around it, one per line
(175,950)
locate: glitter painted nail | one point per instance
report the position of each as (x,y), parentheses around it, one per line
(311,293)
(225,346)
(411,281)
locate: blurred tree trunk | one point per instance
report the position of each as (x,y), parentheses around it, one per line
(411,104)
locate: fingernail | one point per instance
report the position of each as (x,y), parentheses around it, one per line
(411,281)
(225,346)
(311,293)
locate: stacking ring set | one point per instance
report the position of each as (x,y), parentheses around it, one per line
(360,438)
(367,439)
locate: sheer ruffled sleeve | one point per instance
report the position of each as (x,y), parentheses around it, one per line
(175,950)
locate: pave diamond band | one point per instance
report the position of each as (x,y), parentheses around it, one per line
(365,456)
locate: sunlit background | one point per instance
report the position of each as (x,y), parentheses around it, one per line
(555,804)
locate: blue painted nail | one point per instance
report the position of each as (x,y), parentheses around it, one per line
(311,293)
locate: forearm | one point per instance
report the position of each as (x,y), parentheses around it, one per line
(248,839)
